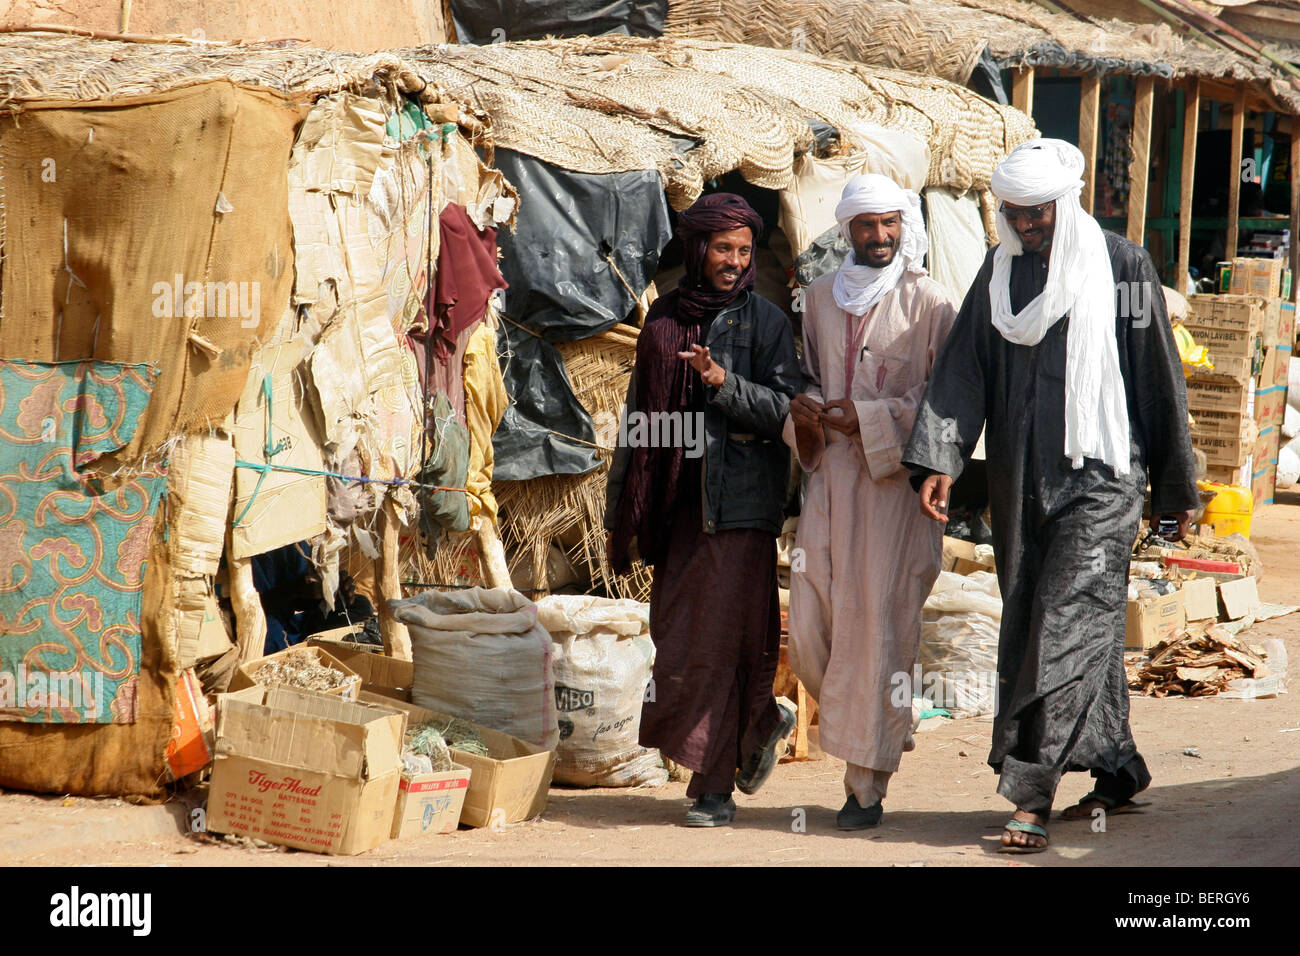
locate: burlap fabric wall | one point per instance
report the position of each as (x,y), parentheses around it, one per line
(104,200)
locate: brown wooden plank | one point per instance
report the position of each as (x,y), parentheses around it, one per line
(1295,204)
(1234,171)
(1022,91)
(1191,123)
(1089,113)
(388,582)
(1140,166)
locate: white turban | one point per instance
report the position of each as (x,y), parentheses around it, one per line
(858,288)
(1080,283)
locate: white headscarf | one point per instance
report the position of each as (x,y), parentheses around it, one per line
(858,288)
(1080,283)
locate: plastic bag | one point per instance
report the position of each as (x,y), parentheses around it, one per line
(481,655)
(603,660)
(959,643)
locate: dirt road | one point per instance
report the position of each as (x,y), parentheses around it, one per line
(1226,791)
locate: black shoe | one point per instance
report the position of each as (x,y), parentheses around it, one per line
(853,817)
(712,810)
(763,761)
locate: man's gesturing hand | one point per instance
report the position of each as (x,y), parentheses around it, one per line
(710,371)
(846,422)
(934,497)
(805,410)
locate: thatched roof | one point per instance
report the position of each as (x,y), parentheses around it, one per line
(696,110)
(946,37)
(691,110)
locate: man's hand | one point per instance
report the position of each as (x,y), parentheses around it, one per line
(1184,519)
(806,411)
(846,422)
(934,497)
(710,371)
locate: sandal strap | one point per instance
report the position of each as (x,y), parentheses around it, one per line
(1033,828)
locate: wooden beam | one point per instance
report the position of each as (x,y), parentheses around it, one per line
(388,584)
(1022,91)
(1295,204)
(1089,114)
(1140,168)
(1234,171)
(1191,119)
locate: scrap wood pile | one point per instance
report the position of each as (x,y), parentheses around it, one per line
(1197,665)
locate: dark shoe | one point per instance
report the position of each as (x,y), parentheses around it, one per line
(762,762)
(712,810)
(853,817)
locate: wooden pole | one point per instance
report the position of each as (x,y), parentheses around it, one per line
(1089,114)
(397,639)
(250,620)
(1234,171)
(1140,168)
(1022,91)
(1191,120)
(1295,204)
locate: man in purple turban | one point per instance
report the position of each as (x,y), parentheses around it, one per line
(697,488)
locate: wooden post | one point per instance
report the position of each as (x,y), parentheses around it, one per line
(1191,119)
(397,639)
(1140,167)
(250,620)
(1089,114)
(1295,204)
(1022,91)
(1234,171)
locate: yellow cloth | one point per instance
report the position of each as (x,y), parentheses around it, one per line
(485,403)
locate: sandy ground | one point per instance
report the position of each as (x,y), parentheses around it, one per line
(1235,802)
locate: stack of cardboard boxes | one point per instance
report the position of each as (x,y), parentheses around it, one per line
(1237,408)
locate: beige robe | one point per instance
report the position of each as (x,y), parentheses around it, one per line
(865,556)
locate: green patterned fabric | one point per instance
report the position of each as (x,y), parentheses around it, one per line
(72,554)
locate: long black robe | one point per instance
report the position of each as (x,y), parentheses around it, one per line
(1061,537)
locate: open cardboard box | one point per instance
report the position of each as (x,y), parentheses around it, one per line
(507,786)
(379,673)
(1152,620)
(305,769)
(246,676)
(429,803)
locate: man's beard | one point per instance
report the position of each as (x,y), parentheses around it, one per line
(861,258)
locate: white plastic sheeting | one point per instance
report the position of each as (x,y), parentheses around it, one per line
(957,243)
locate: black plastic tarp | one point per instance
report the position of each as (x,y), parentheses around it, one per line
(563,288)
(495,21)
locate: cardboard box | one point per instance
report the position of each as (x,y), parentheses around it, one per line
(1238,597)
(1257,277)
(429,803)
(1217,396)
(1240,313)
(1286,324)
(1272,327)
(1270,406)
(1224,343)
(959,557)
(190,748)
(305,769)
(336,639)
(246,675)
(507,786)
(1228,476)
(1224,451)
(379,673)
(1200,599)
(1224,424)
(1153,620)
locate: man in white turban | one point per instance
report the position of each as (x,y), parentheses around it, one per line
(864,559)
(1064,355)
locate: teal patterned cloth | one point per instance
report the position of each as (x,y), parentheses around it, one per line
(72,554)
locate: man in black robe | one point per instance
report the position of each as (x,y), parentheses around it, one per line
(1063,352)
